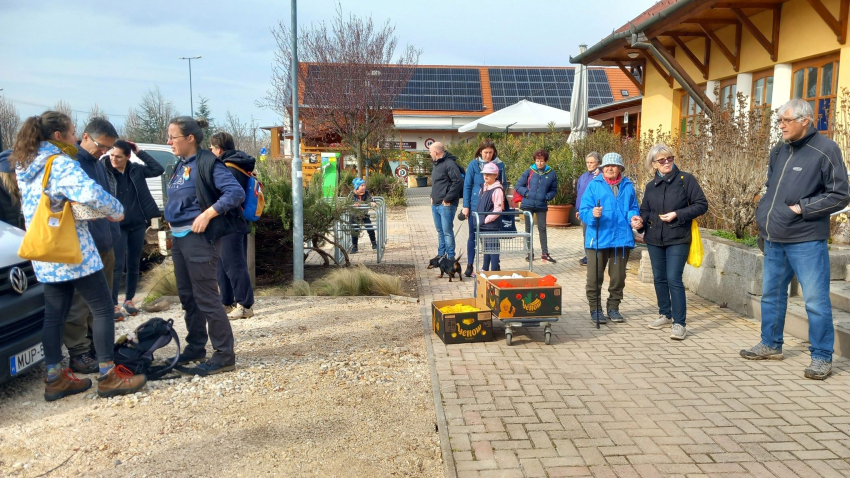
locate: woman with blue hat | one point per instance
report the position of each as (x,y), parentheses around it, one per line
(361,196)
(609,208)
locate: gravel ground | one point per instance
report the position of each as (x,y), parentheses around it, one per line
(323,387)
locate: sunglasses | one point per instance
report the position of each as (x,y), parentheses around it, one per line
(667,160)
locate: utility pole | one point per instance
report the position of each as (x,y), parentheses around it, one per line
(297,179)
(191,98)
(1,132)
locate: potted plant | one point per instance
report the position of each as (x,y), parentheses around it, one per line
(561,206)
(421,167)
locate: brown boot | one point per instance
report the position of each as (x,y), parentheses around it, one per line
(119,381)
(65,384)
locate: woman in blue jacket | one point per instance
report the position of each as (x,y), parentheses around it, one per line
(472,183)
(538,185)
(609,208)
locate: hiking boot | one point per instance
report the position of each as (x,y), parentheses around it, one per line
(119,380)
(762,352)
(660,322)
(547,259)
(118,315)
(130,308)
(207,368)
(582,261)
(598,315)
(678,332)
(65,384)
(228,308)
(240,312)
(83,363)
(616,316)
(819,369)
(374,245)
(468,272)
(186,357)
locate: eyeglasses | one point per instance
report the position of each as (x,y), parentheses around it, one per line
(99,146)
(667,160)
(782,121)
(172,138)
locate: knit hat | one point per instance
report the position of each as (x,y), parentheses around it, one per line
(490,168)
(613,159)
(357,182)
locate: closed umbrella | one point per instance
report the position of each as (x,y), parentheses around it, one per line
(578,103)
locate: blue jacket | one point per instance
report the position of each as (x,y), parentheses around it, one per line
(615,228)
(581,186)
(104,233)
(538,189)
(474,179)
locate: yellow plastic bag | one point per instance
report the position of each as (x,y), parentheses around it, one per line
(695,255)
(51,236)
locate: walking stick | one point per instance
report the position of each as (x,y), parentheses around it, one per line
(596,283)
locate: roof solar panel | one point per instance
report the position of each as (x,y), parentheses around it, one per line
(548,86)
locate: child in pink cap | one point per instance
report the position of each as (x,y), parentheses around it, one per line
(490,199)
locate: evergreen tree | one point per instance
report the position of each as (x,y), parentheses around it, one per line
(204,112)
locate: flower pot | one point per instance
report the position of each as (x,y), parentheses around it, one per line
(421,181)
(559,215)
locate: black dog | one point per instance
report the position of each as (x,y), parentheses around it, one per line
(447,265)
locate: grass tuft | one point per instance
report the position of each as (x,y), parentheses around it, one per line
(352,281)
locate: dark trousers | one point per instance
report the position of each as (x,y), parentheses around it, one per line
(616,261)
(128,251)
(77,331)
(234,282)
(470,242)
(195,262)
(668,264)
(57,303)
(355,231)
(491,261)
(540,219)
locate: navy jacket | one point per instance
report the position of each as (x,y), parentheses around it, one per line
(10,197)
(103,232)
(537,188)
(241,159)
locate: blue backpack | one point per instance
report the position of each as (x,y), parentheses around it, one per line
(252,207)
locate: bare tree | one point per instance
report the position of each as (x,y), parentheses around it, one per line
(248,137)
(96,112)
(351,78)
(10,121)
(148,123)
(63,106)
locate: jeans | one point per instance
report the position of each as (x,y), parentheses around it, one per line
(470,242)
(668,264)
(444,221)
(57,302)
(128,251)
(79,321)
(234,282)
(809,261)
(195,261)
(357,224)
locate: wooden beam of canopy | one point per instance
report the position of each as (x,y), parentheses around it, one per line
(709,105)
(702,66)
(734,59)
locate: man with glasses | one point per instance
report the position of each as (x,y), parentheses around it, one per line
(98,138)
(806,182)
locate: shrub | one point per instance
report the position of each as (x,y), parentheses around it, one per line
(352,281)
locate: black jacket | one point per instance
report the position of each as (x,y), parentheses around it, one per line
(676,191)
(103,232)
(207,194)
(446,180)
(10,197)
(137,173)
(809,172)
(241,159)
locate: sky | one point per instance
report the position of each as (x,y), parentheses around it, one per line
(110,53)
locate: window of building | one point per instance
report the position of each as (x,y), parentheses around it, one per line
(624,93)
(816,81)
(728,93)
(762,89)
(689,112)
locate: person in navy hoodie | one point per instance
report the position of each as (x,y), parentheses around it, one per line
(609,237)
(472,184)
(203,205)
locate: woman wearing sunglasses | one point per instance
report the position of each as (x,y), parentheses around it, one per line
(671,200)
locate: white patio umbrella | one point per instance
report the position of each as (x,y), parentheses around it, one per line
(523,117)
(578,103)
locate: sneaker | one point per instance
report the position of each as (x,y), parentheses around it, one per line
(468,272)
(678,332)
(601,316)
(547,259)
(582,261)
(616,316)
(374,245)
(130,308)
(228,308)
(819,369)
(65,384)
(353,250)
(762,352)
(240,312)
(207,368)
(186,357)
(83,363)
(118,315)
(526,258)
(119,380)
(660,322)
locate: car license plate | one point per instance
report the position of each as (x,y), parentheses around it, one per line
(26,358)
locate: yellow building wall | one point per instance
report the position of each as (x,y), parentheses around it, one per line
(803,34)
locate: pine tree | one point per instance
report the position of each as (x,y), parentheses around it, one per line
(204,112)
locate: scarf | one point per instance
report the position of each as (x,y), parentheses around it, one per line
(613,182)
(69,149)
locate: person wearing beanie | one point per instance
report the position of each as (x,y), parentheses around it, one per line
(609,208)
(491,198)
(361,197)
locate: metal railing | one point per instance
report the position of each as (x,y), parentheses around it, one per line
(348,225)
(504,242)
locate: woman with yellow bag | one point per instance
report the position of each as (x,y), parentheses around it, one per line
(671,203)
(62,251)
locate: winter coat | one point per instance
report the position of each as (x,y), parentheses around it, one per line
(69,181)
(241,159)
(474,180)
(615,226)
(446,180)
(537,188)
(581,185)
(10,197)
(809,172)
(103,232)
(137,173)
(678,192)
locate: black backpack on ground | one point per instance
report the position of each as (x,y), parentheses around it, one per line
(137,355)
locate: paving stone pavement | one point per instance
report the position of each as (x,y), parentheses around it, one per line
(624,400)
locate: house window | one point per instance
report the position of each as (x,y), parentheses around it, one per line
(689,111)
(816,81)
(762,90)
(624,93)
(728,96)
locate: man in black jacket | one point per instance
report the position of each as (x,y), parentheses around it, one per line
(446,190)
(806,182)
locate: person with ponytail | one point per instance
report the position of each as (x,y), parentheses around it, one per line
(51,137)
(204,205)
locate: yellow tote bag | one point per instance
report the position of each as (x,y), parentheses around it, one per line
(695,255)
(51,236)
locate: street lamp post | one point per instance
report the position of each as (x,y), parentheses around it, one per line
(191,98)
(297,179)
(1,132)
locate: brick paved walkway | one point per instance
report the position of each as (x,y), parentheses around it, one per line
(625,400)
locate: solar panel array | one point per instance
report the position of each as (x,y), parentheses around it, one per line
(446,89)
(548,86)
